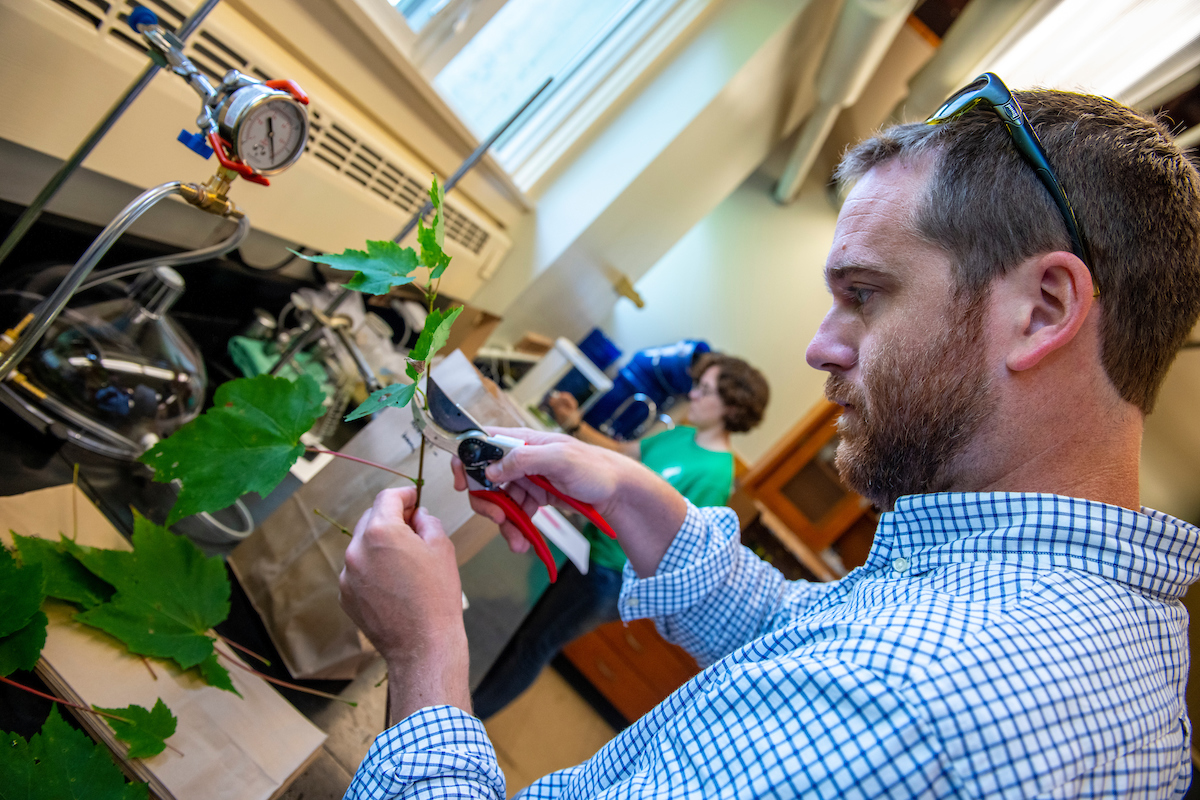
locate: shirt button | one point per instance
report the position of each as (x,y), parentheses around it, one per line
(900,564)
(632,602)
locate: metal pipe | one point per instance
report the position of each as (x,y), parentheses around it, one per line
(34,210)
(360,360)
(49,309)
(451,182)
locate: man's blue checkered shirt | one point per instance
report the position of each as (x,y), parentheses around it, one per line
(993,645)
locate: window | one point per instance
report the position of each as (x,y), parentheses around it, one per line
(486,57)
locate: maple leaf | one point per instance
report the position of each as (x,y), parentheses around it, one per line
(433,337)
(433,239)
(23,625)
(61,763)
(168,595)
(21,649)
(21,592)
(66,578)
(146,732)
(245,443)
(397,395)
(383,265)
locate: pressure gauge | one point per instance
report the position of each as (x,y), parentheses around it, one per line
(267,129)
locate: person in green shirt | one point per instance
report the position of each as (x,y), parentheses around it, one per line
(728,396)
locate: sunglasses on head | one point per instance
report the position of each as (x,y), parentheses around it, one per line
(991,91)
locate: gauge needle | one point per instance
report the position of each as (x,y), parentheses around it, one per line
(271,137)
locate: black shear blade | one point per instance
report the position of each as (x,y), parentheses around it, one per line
(446,413)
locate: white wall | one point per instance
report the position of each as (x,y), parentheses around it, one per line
(748,280)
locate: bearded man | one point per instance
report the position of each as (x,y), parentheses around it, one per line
(1003,313)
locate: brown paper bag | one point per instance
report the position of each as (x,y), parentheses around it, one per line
(242,748)
(289,566)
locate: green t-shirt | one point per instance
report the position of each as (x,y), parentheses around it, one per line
(703,476)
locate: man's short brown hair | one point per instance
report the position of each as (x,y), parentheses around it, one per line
(1135,195)
(743,389)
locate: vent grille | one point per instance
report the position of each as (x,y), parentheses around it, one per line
(331,142)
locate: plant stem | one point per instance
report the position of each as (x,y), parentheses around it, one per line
(420,472)
(66,703)
(149,668)
(331,521)
(360,461)
(238,663)
(245,650)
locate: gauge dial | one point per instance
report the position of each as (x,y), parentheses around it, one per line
(271,134)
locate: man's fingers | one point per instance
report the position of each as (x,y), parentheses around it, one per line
(516,540)
(389,504)
(362,523)
(486,509)
(427,526)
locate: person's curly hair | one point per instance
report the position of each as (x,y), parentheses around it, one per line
(742,389)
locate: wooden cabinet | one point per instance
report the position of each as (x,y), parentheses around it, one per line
(631,665)
(799,491)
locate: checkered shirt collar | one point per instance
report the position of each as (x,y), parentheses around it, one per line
(1150,551)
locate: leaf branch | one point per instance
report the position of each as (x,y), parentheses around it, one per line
(323,451)
(60,701)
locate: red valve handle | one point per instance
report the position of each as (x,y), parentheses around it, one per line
(291,87)
(218,145)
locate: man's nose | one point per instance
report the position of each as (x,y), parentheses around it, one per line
(830,349)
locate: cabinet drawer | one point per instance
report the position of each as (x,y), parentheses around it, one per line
(661,664)
(612,675)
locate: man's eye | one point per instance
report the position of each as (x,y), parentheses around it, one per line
(860,295)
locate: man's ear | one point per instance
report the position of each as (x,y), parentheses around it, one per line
(1050,298)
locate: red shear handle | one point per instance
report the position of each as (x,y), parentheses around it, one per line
(517,516)
(583,508)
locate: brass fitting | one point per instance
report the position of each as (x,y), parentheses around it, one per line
(10,336)
(211,196)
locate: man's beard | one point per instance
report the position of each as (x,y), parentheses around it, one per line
(921,407)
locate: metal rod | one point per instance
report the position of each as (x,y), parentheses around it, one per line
(451,182)
(73,162)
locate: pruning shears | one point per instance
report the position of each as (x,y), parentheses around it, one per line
(451,428)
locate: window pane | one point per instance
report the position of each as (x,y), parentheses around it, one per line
(526,42)
(418,12)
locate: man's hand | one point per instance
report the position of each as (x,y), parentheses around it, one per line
(643,509)
(401,587)
(565,409)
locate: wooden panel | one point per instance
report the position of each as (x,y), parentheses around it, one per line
(612,676)
(662,665)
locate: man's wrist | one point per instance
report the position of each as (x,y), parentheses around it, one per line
(437,679)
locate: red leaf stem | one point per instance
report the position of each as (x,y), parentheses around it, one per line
(238,663)
(66,703)
(359,460)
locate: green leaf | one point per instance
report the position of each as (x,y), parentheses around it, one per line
(169,594)
(21,592)
(215,675)
(20,650)
(433,337)
(66,578)
(433,239)
(61,763)
(146,732)
(383,265)
(245,443)
(397,395)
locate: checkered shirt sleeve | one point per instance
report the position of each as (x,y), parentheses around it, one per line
(993,645)
(437,752)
